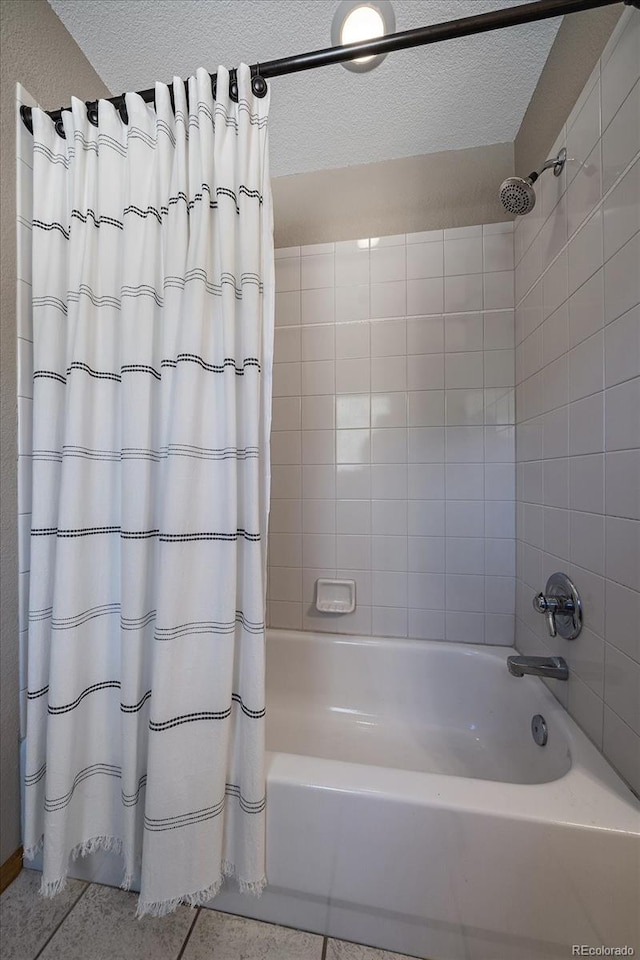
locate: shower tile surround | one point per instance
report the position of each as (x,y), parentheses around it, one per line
(393,434)
(578,402)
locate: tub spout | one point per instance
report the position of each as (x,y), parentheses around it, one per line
(552,667)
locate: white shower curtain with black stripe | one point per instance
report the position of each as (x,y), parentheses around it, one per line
(153,330)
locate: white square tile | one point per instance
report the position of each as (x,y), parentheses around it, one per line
(555,334)
(425,335)
(555,384)
(25,368)
(425,236)
(586,422)
(389,409)
(498,252)
(622,686)
(24,310)
(463,370)
(313,249)
(499,330)
(622,618)
(426,624)
(389,299)
(586,483)
(464,627)
(499,405)
(285,583)
(352,341)
(23,253)
(389,517)
(388,374)
(499,482)
(586,309)
(620,70)
(465,593)
(464,518)
(555,532)
(622,474)
(465,555)
(424,297)
(622,212)
(353,481)
(318,481)
(498,290)
(426,591)
(286,482)
(318,413)
(463,256)
(623,551)
(285,447)
(426,408)
(285,516)
(499,557)
(353,446)
(353,516)
(318,516)
(25,426)
(317,305)
(389,553)
(426,481)
(388,480)
(425,372)
(425,260)
(555,284)
(317,271)
(465,444)
(390,588)
(499,368)
(318,446)
(464,407)
(319,550)
(585,190)
(285,549)
(461,233)
(463,293)
(586,532)
(463,332)
(622,421)
(318,377)
(351,267)
(353,376)
(621,139)
(25,464)
(318,342)
(622,280)
(622,747)
(353,410)
(586,251)
(389,621)
(465,481)
(287,345)
(388,263)
(287,274)
(352,303)
(499,444)
(389,445)
(426,518)
(499,519)
(389,337)
(427,444)
(427,554)
(586,367)
(583,132)
(287,308)
(281,253)
(586,708)
(286,413)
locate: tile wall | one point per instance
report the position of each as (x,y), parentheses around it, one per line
(578,402)
(393,434)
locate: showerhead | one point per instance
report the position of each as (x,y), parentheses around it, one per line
(517,195)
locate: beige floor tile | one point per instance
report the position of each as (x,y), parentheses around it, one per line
(103,926)
(220,936)
(341,950)
(27,920)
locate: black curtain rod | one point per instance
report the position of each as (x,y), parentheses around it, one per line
(435,33)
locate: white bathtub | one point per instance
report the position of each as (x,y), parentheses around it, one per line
(409,807)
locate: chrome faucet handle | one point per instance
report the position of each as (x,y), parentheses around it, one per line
(561,605)
(549,606)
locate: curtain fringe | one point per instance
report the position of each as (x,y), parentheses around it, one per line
(161,908)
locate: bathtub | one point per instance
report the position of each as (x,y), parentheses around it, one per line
(409,807)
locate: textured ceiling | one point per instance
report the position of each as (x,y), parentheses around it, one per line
(448,96)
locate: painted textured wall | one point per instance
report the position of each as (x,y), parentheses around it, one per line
(578,402)
(37,51)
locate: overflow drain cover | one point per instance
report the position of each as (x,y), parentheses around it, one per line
(539,730)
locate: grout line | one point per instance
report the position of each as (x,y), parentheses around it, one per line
(72,907)
(325,945)
(189,932)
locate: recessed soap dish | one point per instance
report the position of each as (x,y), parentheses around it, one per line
(335,596)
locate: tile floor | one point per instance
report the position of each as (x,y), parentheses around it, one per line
(92,922)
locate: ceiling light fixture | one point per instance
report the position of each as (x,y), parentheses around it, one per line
(357,20)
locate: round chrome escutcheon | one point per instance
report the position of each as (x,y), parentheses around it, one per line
(539,730)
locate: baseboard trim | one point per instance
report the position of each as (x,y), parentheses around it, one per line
(10,869)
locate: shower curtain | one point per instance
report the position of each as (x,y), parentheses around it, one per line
(153,290)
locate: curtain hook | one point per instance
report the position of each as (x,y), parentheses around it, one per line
(59,125)
(92,112)
(233,85)
(214,85)
(258,84)
(121,107)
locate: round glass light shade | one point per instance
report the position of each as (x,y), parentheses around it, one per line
(357,20)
